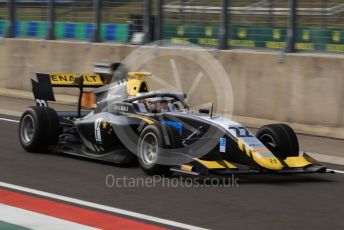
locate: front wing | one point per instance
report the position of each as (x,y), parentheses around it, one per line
(296,165)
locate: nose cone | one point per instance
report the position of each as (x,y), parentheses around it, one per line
(259,153)
(271,162)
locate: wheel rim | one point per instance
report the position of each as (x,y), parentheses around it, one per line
(269,141)
(149,149)
(27,128)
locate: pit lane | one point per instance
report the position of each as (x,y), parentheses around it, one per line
(259,201)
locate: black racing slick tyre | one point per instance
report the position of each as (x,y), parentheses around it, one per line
(152,146)
(38,128)
(280,139)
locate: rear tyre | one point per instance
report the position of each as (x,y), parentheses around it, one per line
(54,126)
(152,147)
(280,139)
(38,128)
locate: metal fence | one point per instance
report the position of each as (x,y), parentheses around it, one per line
(289,25)
(74,20)
(3,18)
(260,24)
(192,21)
(31,20)
(120,18)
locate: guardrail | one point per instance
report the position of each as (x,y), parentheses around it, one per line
(287,25)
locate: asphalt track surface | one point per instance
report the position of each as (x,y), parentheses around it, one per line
(259,201)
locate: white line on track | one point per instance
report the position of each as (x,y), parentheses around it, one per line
(101,207)
(336,171)
(9,120)
(37,221)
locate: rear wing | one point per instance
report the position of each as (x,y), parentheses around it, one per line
(43,88)
(70,80)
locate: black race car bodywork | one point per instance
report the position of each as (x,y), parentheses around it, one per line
(130,123)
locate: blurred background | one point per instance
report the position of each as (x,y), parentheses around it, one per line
(284,58)
(254,24)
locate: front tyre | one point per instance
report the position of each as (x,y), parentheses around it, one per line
(38,128)
(280,139)
(152,147)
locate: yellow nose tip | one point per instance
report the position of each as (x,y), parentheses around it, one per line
(271,163)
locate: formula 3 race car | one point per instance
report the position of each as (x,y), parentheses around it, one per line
(126,123)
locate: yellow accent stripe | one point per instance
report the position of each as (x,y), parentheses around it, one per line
(244,148)
(210,164)
(240,144)
(149,121)
(297,162)
(230,165)
(186,168)
(247,150)
(215,164)
(139,75)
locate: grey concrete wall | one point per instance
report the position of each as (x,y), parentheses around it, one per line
(306,89)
